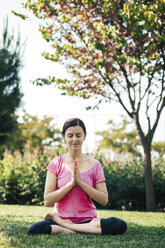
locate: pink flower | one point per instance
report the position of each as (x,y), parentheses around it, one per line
(130,204)
(123,207)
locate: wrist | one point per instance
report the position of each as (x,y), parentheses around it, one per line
(71,184)
(81,183)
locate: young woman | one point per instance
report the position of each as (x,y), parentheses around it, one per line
(73,179)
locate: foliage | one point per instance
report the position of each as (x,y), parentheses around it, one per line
(121,139)
(10,94)
(159,147)
(110,48)
(33,132)
(99,41)
(158,178)
(145,230)
(114,50)
(125,183)
(22,179)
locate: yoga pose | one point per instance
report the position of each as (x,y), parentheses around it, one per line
(73,180)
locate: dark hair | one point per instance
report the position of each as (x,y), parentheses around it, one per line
(72,122)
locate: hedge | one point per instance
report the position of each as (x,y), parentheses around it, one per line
(22,180)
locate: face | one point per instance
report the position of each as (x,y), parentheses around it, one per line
(74,137)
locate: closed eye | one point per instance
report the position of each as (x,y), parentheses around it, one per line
(77,135)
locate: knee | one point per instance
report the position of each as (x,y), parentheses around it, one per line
(32,230)
(40,228)
(113,226)
(122,226)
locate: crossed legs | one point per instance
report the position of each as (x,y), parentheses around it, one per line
(53,224)
(60,230)
(68,226)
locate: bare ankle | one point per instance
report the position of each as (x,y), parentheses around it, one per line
(67,231)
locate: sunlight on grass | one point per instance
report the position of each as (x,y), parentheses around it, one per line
(144,229)
(4,240)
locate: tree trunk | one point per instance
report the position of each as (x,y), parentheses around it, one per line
(149,189)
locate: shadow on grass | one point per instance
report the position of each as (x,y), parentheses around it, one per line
(15,234)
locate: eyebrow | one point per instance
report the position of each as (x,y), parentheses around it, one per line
(72,133)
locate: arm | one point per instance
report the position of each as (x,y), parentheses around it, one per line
(98,194)
(51,195)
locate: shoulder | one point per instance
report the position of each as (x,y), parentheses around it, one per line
(92,161)
(55,164)
(56,160)
(96,165)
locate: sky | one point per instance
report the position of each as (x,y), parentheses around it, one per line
(47,100)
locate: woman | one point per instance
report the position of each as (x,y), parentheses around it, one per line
(73,179)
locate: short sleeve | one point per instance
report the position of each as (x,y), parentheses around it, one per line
(54,166)
(99,174)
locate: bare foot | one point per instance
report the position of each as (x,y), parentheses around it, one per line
(54,217)
(68,222)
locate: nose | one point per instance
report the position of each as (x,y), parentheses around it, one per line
(74,137)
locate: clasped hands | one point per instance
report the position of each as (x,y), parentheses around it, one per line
(76,177)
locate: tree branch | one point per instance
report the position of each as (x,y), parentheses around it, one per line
(148,118)
(132,102)
(157,120)
(119,98)
(159,110)
(139,129)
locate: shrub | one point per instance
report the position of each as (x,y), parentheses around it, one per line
(22,179)
(125,183)
(159,180)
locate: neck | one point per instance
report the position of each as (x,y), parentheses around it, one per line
(74,155)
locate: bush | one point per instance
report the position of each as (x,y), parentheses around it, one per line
(22,177)
(159,180)
(126,186)
(22,180)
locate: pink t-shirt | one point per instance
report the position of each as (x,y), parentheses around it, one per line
(77,205)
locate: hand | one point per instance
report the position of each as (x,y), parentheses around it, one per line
(73,179)
(78,176)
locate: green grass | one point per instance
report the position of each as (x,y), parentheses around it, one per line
(144,230)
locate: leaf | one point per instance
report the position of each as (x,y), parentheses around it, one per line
(23,17)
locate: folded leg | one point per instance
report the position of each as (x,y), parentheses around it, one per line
(112,225)
(47,227)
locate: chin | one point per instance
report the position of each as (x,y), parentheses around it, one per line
(76,147)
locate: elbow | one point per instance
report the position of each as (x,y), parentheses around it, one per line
(105,201)
(46,202)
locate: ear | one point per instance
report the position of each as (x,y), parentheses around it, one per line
(85,136)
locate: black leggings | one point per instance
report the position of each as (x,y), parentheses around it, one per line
(110,225)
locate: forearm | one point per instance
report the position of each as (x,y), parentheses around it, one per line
(95,194)
(57,195)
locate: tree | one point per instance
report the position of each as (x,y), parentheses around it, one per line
(32,133)
(10,94)
(124,140)
(121,138)
(114,50)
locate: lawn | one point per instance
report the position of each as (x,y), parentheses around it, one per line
(144,230)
